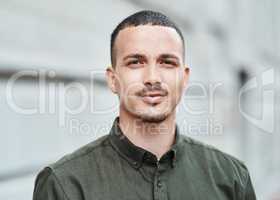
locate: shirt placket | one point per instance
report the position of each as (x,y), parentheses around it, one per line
(160,187)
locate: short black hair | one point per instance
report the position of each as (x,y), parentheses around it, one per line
(143,18)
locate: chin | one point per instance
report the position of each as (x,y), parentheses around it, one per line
(152,117)
(147,113)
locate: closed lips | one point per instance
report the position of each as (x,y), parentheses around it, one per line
(154,94)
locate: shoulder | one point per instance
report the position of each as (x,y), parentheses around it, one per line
(216,161)
(210,150)
(79,161)
(82,153)
(65,175)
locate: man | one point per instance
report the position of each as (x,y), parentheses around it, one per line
(145,156)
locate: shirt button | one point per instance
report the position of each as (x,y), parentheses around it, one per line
(159,184)
(136,164)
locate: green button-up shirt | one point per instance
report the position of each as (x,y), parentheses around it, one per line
(113,168)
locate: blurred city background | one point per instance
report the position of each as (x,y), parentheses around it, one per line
(54,98)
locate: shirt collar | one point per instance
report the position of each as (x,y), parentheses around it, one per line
(136,155)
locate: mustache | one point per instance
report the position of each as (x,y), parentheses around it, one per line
(152,89)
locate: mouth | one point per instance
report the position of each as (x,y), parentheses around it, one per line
(153,97)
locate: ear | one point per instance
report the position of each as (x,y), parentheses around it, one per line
(111,79)
(186,75)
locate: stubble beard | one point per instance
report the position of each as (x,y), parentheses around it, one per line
(148,116)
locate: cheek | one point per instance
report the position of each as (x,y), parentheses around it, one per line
(174,81)
(129,83)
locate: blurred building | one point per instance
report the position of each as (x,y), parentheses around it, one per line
(53,53)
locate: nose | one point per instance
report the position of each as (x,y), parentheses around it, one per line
(152,76)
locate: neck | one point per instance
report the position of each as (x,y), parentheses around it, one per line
(154,137)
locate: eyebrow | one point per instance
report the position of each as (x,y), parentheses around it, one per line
(135,55)
(141,56)
(167,55)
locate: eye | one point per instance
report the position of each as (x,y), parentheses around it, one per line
(134,63)
(169,63)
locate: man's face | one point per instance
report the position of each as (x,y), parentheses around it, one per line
(148,76)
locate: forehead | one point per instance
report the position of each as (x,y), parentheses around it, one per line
(148,39)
